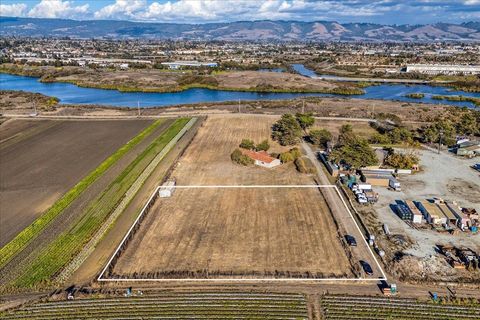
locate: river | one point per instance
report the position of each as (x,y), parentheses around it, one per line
(72,94)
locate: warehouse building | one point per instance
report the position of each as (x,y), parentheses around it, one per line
(191,64)
(443,69)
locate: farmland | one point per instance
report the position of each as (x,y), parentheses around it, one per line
(178,305)
(351,307)
(41,160)
(54,257)
(247,232)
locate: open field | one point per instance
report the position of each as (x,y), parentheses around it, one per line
(66,245)
(236,231)
(44,159)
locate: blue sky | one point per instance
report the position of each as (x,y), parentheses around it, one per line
(202,11)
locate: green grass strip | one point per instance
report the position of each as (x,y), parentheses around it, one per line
(56,255)
(28,234)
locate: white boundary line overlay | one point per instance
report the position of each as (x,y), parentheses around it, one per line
(101,279)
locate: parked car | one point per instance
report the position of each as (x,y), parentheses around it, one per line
(351,240)
(366,267)
(476,166)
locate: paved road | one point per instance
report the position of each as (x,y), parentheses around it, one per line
(345,220)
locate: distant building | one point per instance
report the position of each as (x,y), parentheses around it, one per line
(262,158)
(194,64)
(443,69)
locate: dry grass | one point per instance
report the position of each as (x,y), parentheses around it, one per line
(235,232)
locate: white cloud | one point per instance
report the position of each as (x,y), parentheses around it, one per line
(121,9)
(58,9)
(13,10)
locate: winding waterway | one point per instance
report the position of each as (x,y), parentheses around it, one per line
(72,94)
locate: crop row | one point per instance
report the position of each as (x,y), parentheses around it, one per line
(256,306)
(58,253)
(28,234)
(387,308)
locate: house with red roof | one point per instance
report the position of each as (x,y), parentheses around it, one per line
(262,158)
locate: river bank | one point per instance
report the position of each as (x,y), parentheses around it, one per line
(22,103)
(166,81)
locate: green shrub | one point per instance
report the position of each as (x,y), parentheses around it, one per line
(263,146)
(290,156)
(286,157)
(238,157)
(305,165)
(247,144)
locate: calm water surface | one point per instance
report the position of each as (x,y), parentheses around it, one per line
(72,94)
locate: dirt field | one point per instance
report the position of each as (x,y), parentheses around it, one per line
(235,232)
(42,159)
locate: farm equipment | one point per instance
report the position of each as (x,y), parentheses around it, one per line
(388,290)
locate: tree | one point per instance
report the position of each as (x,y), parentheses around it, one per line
(247,144)
(400,135)
(291,155)
(238,157)
(320,136)
(305,120)
(354,151)
(401,160)
(468,125)
(263,146)
(287,130)
(378,138)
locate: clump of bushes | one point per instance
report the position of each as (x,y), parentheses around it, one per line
(291,155)
(305,165)
(401,160)
(238,157)
(250,145)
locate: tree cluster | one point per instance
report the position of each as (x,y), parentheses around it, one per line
(250,145)
(353,150)
(401,160)
(291,155)
(320,137)
(454,123)
(288,130)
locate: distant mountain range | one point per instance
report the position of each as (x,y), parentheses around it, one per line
(240,30)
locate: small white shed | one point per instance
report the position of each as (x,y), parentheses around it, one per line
(167,189)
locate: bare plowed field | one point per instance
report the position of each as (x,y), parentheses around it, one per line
(38,167)
(235,232)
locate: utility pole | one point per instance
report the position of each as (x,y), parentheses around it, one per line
(303,106)
(238,105)
(34,108)
(138,107)
(440,141)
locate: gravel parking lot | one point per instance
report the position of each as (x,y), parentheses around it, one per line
(442,175)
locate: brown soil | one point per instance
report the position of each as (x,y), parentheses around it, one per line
(71,214)
(104,250)
(38,167)
(236,231)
